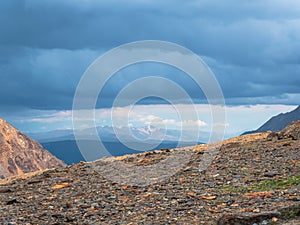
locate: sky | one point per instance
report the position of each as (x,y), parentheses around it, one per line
(252,47)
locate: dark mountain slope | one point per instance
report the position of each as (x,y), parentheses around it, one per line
(278,122)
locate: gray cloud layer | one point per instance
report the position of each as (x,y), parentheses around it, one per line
(253,47)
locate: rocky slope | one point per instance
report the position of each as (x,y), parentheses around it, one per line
(277,123)
(252,179)
(20,154)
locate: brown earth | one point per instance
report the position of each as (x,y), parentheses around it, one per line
(19,154)
(253,179)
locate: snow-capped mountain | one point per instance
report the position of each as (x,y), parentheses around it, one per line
(128,134)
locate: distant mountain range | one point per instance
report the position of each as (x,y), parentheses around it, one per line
(69,152)
(62,143)
(19,154)
(111,134)
(277,123)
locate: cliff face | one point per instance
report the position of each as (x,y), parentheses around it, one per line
(19,154)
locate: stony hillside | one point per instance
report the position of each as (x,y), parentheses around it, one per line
(253,179)
(20,154)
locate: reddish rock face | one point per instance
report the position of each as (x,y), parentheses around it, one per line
(19,154)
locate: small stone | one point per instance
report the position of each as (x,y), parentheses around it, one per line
(280,199)
(107,207)
(265,222)
(112,197)
(60,186)
(69,205)
(5,190)
(270,174)
(294,198)
(34,181)
(12,201)
(256,210)
(234,205)
(293,191)
(95,205)
(274,219)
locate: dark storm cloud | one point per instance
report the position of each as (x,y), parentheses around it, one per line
(253,47)
(43,79)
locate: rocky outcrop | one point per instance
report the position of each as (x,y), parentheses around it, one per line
(272,217)
(19,154)
(292,131)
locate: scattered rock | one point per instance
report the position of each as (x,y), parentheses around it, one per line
(251,181)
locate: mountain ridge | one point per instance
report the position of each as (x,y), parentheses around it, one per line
(278,122)
(110,134)
(19,154)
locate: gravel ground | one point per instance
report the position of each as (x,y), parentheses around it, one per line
(251,180)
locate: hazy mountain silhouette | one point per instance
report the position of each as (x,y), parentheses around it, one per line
(69,152)
(112,134)
(278,122)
